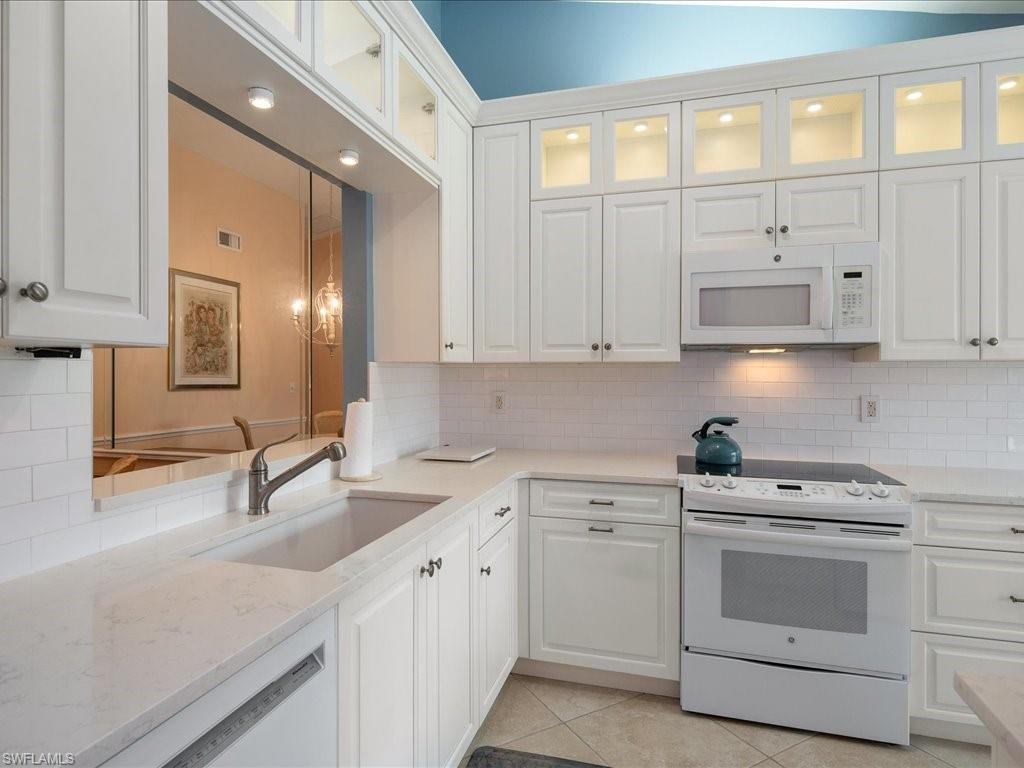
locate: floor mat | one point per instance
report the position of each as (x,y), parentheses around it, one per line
(496,757)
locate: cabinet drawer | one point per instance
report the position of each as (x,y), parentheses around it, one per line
(496,510)
(977,526)
(967,592)
(935,659)
(605,501)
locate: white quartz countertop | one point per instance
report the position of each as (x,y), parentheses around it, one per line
(963,485)
(999,704)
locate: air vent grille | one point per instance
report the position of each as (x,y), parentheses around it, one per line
(230,240)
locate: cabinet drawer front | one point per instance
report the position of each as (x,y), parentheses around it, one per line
(729,217)
(605,501)
(976,526)
(936,658)
(966,592)
(830,209)
(495,511)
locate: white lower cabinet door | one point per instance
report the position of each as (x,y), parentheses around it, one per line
(605,595)
(827,209)
(565,280)
(641,277)
(1002,260)
(930,254)
(382,669)
(728,217)
(497,609)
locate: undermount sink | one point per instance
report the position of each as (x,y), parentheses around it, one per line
(317,540)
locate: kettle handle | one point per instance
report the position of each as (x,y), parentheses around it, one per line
(725,421)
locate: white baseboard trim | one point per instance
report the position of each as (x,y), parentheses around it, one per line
(599,677)
(943,729)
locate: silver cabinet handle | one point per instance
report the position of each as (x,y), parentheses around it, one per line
(36,291)
(486,571)
(429,571)
(503,511)
(595,346)
(595,529)
(1014,529)
(975,342)
(992,341)
(1015,599)
(769,230)
(602,503)
(607,345)
(450,345)
(784,229)
(3,286)
(435,563)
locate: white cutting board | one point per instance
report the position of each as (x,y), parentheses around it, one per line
(454,453)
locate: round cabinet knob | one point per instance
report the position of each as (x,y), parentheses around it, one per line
(992,342)
(607,345)
(975,342)
(854,488)
(450,345)
(879,490)
(3,286)
(784,229)
(769,230)
(595,346)
(729,482)
(486,571)
(707,481)
(36,291)
(777,258)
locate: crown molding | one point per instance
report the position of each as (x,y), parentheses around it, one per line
(421,41)
(967,48)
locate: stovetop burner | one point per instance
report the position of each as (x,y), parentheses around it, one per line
(820,471)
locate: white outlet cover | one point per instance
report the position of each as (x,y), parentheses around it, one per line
(870,408)
(499,401)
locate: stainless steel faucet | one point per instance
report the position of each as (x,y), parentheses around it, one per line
(261,487)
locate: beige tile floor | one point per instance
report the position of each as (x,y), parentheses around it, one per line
(628,730)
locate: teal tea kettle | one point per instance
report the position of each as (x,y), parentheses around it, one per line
(718,447)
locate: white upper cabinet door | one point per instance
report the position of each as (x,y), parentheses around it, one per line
(501,243)
(86,134)
(566,154)
(288,22)
(416,105)
(828,128)
(565,280)
(1002,109)
(641,148)
(456,238)
(1002,260)
(729,217)
(497,612)
(641,277)
(930,117)
(827,209)
(930,252)
(728,139)
(353,52)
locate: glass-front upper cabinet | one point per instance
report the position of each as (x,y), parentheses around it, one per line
(729,139)
(1002,109)
(828,128)
(566,156)
(289,22)
(352,52)
(641,148)
(416,105)
(930,117)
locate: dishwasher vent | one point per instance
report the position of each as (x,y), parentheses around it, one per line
(230,240)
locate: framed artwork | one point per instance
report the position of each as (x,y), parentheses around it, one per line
(204,341)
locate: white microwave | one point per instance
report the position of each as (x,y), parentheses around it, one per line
(803,295)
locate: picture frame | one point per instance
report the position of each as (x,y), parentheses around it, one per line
(204,349)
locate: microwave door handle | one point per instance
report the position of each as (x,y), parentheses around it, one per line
(770,537)
(829,290)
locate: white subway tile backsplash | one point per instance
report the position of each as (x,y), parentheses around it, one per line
(25,376)
(15,486)
(127,527)
(25,449)
(15,414)
(64,410)
(21,521)
(61,478)
(65,544)
(183,511)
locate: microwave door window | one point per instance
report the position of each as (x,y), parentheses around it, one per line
(755,306)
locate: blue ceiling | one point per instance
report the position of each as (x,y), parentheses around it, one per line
(513,47)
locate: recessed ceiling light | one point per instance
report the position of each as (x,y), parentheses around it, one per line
(914,95)
(348,157)
(640,127)
(814,107)
(572,135)
(261,98)
(725,117)
(1007,85)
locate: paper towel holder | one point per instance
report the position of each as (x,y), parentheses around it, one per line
(360,478)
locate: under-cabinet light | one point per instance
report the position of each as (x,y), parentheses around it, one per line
(348,157)
(725,117)
(261,98)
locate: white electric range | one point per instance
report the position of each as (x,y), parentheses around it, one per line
(796,596)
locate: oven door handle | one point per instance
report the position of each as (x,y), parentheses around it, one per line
(833,542)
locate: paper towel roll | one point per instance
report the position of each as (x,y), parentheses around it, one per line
(358,464)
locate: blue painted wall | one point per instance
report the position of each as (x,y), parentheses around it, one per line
(512,47)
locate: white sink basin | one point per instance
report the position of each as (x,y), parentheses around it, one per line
(318,539)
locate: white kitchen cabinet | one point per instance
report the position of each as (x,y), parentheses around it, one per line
(501,243)
(827,128)
(614,502)
(827,209)
(1002,260)
(93,266)
(930,117)
(641,148)
(640,310)
(416,103)
(729,139)
(930,254)
(1002,109)
(973,526)
(289,23)
(565,280)
(728,217)
(605,595)
(456,238)
(497,612)
(566,156)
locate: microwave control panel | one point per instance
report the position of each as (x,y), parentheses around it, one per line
(853,297)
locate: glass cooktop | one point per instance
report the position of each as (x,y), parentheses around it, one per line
(810,471)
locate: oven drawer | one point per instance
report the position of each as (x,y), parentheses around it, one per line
(976,526)
(495,511)
(968,592)
(936,658)
(617,502)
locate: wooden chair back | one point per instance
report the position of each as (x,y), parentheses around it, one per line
(329,423)
(124,464)
(243,424)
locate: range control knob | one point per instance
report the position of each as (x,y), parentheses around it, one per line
(854,488)
(729,482)
(879,490)
(707,481)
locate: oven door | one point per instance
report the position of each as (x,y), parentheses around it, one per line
(763,296)
(801,592)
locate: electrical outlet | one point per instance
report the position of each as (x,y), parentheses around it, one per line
(499,401)
(870,408)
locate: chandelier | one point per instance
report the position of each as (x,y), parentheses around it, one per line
(322,324)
